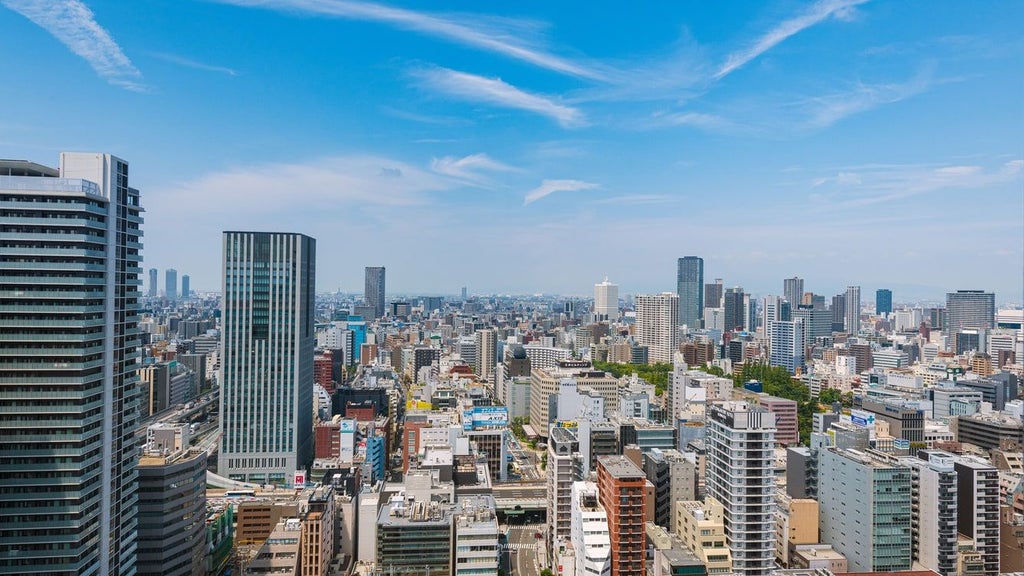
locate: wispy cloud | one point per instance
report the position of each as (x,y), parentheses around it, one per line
(73,24)
(816,13)
(823,111)
(549,187)
(468,168)
(637,199)
(497,92)
(700,120)
(500,36)
(858,186)
(188,63)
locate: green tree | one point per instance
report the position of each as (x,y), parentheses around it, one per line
(828,396)
(656,374)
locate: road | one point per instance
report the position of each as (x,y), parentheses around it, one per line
(522,544)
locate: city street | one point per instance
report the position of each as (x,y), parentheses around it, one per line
(523,550)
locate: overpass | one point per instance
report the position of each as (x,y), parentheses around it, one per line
(521,499)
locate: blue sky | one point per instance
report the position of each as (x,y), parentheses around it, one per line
(549,144)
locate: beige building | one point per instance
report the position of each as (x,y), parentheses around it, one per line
(701,527)
(279,554)
(796,523)
(545,382)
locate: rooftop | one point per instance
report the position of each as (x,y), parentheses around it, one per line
(621,467)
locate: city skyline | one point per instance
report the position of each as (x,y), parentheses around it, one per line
(845,125)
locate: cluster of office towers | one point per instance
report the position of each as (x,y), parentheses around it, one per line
(170,285)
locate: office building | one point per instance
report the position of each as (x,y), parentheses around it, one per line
(838,312)
(154,290)
(851,319)
(934,519)
(701,527)
(171,284)
(186,287)
(883,301)
(970,309)
(266,372)
(690,289)
(793,291)
(374,290)
(713,294)
(735,310)
(817,322)
(486,353)
(740,475)
(589,534)
(171,505)
(978,507)
(606,301)
(69,300)
(621,492)
(656,322)
(866,506)
(787,427)
(787,344)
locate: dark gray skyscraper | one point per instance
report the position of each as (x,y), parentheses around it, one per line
(793,290)
(883,301)
(153,291)
(69,391)
(735,312)
(690,288)
(374,293)
(171,284)
(266,399)
(713,294)
(186,287)
(967,309)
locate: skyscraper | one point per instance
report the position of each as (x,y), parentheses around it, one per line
(690,288)
(740,474)
(713,294)
(838,312)
(606,301)
(69,392)
(186,286)
(266,399)
(735,309)
(374,291)
(793,290)
(966,309)
(486,354)
(851,319)
(171,284)
(153,288)
(883,301)
(656,316)
(786,339)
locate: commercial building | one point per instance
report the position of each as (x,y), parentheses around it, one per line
(564,467)
(266,399)
(989,431)
(171,284)
(793,291)
(690,289)
(486,354)
(374,290)
(969,309)
(589,533)
(883,301)
(851,317)
(701,527)
(978,507)
(476,536)
(787,426)
(734,315)
(740,475)
(545,383)
(657,317)
(154,290)
(414,536)
(186,286)
(69,300)
(606,301)
(787,344)
(621,492)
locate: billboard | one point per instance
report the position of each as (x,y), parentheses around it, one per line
(485,417)
(862,418)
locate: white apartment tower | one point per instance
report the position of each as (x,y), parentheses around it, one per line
(486,354)
(266,399)
(787,344)
(740,474)
(70,256)
(851,317)
(606,301)
(589,532)
(657,316)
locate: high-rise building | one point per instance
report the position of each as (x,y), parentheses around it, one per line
(656,317)
(978,507)
(589,534)
(564,467)
(606,301)
(374,290)
(838,312)
(69,302)
(793,290)
(621,491)
(154,290)
(486,353)
(787,344)
(740,475)
(851,318)
(966,309)
(266,399)
(735,310)
(713,294)
(690,289)
(171,284)
(934,510)
(186,286)
(883,301)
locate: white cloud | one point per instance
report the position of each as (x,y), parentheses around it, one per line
(468,168)
(73,24)
(818,12)
(823,111)
(548,187)
(637,199)
(182,61)
(495,35)
(496,92)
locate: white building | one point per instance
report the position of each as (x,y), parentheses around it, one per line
(545,357)
(606,301)
(851,318)
(589,531)
(934,511)
(787,344)
(486,354)
(657,316)
(740,474)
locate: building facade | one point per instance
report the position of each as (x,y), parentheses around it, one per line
(690,289)
(374,290)
(851,316)
(266,372)
(69,299)
(621,492)
(656,323)
(606,301)
(171,284)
